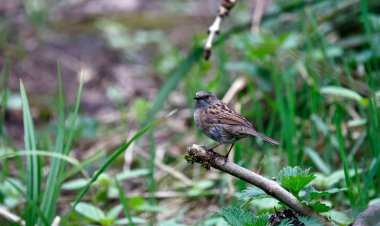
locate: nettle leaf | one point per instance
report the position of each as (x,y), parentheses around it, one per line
(295,179)
(309,221)
(319,207)
(313,193)
(236,216)
(253,193)
(260,220)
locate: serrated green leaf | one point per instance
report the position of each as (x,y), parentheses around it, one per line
(294,179)
(309,221)
(253,193)
(319,207)
(236,217)
(260,220)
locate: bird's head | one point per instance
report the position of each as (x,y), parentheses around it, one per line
(203,99)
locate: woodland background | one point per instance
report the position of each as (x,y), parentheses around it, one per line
(307,75)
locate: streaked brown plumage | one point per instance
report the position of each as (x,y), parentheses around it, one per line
(221,123)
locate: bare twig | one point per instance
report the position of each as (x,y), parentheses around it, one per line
(214,29)
(56,221)
(238,85)
(369,217)
(209,159)
(10,216)
(257,15)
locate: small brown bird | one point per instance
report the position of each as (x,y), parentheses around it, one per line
(221,123)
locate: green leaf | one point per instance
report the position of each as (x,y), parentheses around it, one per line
(342,93)
(327,181)
(90,211)
(253,193)
(309,221)
(74,184)
(200,187)
(339,217)
(151,208)
(132,174)
(126,221)
(114,212)
(316,194)
(319,207)
(260,220)
(236,216)
(295,179)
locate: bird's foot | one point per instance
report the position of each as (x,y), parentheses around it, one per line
(225,159)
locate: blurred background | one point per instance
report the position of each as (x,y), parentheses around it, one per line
(304,72)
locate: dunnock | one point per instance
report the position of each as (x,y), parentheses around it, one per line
(221,123)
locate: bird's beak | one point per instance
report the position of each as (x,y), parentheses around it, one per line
(196,98)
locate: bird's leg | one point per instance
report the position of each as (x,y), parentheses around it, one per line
(226,156)
(213,146)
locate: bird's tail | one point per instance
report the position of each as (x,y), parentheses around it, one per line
(267,139)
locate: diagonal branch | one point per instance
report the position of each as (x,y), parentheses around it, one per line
(209,159)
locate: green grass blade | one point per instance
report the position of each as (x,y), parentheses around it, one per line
(108,162)
(152,187)
(123,200)
(343,156)
(32,163)
(373,137)
(4,100)
(72,119)
(49,201)
(3,109)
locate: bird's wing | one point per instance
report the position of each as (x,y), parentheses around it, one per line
(220,113)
